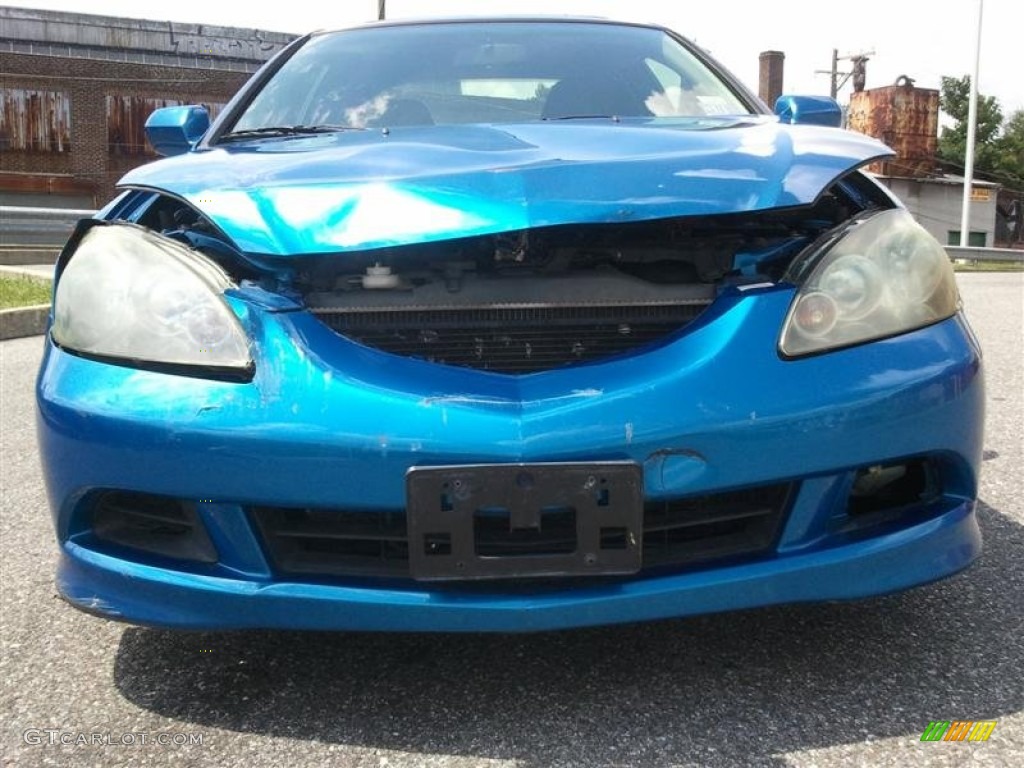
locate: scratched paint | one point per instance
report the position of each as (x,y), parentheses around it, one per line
(34,121)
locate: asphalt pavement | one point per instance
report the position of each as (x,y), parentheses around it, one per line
(817,685)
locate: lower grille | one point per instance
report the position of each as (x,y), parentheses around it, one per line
(701,528)
(677,533)
(334,542)
(512,339)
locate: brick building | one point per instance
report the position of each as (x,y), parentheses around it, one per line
(75,91)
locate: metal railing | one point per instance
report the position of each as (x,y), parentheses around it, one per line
(23,226)
(984,254)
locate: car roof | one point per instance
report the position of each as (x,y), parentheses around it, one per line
(502,19)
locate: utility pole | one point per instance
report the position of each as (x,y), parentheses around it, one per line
(839,79)
(834,91)
(381,14)
(972,120)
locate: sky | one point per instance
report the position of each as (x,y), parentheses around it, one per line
(923,39)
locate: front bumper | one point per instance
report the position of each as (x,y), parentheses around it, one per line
(142,594)
(326,424)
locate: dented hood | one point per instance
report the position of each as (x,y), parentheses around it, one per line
(371,189)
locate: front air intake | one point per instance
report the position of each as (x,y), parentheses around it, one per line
(159,525)
(514,340)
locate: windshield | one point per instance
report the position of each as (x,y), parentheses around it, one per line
(479,72)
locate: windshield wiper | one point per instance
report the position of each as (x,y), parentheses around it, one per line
(271,131)
(584,117)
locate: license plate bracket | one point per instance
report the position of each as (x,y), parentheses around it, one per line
(494,521)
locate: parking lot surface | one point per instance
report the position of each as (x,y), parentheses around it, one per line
(816,685)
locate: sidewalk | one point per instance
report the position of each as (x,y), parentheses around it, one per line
(25,321)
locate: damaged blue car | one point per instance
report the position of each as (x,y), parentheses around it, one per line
(503,325)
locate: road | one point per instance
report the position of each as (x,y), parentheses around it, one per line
(822,685)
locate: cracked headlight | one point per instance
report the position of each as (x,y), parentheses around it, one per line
(130,294)
(878,277)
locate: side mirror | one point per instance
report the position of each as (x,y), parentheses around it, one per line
(176,130)
(809,110)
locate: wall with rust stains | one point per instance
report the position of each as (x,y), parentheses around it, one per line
(34,121)
(97,119)
(77,88)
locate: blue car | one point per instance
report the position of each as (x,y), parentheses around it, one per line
(503,325)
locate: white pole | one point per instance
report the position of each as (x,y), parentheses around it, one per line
(972,119)
(381,12)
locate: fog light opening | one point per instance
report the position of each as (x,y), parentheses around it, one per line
(159,525)
(893,486)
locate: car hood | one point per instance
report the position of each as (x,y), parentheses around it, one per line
(358,190)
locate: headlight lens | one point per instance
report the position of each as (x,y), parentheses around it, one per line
(130,293)
(884,275)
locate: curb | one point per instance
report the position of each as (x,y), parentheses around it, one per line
(23,321)
(17,255)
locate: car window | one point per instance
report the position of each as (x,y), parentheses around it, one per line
(487,72)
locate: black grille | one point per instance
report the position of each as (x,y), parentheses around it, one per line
(677,533)
(695,529)
(512,339)
(334,541)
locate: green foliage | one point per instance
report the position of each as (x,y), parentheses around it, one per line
(1010,163)
(954,99)
(999,145)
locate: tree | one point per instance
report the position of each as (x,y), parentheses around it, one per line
(1010,151)
(954,100)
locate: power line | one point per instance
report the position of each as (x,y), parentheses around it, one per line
(996,174)
(938,175)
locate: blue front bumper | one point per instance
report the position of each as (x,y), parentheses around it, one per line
(327,424)
(143,594)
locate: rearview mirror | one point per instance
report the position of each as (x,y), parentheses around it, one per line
(809,110)
(176,130)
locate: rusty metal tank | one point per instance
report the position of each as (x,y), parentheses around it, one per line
(904,117)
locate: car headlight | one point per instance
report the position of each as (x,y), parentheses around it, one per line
(878,277)
(129,293)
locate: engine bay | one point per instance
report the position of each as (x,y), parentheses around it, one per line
(535,299)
